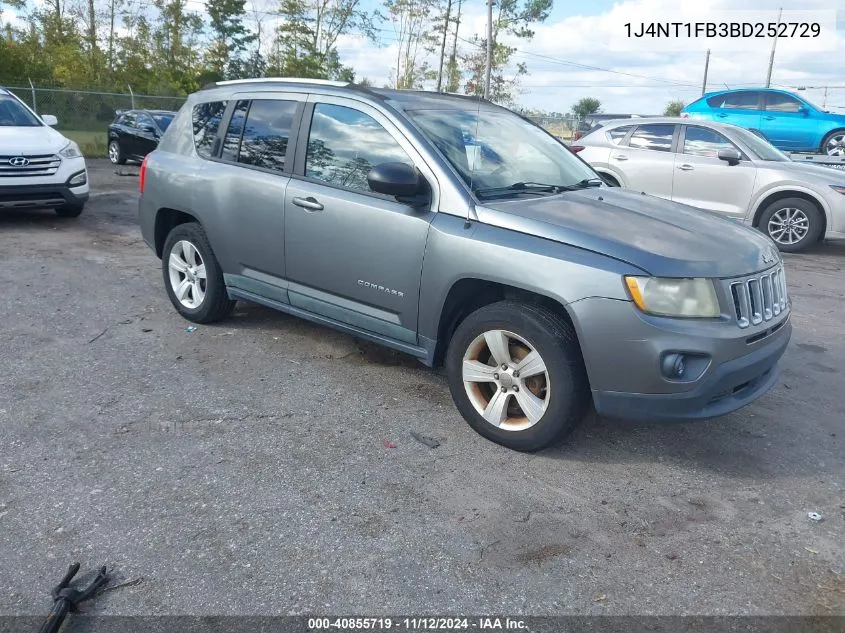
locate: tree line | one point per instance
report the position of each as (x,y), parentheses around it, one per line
(174,47)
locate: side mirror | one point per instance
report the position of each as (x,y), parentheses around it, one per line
(802,109)
(49,119)
(730,155)
(395,179)
(149,129)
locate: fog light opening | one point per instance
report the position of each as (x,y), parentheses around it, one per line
(674,366)
(78,180)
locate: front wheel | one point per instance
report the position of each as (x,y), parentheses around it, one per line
(517,376)
(192,276)
(792,223)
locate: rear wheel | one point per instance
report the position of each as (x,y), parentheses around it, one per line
(517,376)
(192,276)
(792,223)
(70,211)
(834,143)
(116,154)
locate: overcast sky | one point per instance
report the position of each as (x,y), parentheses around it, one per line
(582,32)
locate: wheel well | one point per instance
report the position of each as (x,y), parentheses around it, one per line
(166,221)
(610,177)
(780,195)
(468,295)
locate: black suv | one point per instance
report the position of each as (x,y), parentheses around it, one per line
(135,133)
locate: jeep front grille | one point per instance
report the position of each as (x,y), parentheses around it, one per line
(41,165)
(759,298)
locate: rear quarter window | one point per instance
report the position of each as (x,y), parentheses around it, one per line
(206,123)
(616,135)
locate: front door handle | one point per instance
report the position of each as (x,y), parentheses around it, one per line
(685,167)
(620,157)
(721,115)
(309,204)
(769,118)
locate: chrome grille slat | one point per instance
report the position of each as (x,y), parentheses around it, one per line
(38,165)
(759,298)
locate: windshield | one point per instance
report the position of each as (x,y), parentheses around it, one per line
(760,147)
(13,114)
(163,120)
(499,154)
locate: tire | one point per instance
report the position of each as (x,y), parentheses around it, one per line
(526,327)
(70,211)
(807,224)
(838,148)
(116,153)
(203,302)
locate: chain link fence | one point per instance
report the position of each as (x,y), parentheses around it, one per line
(85,115)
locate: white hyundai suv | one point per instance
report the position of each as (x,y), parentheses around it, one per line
(39,168)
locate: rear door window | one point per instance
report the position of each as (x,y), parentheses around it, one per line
(656,137)
(266,130)
(748,100)
(206,122)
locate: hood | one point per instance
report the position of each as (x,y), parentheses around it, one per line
(800,169)
(663,238)
(30,140)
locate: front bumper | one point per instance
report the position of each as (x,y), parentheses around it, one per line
(623,348)
(48,196)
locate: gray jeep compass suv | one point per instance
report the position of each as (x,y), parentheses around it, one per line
(460,233)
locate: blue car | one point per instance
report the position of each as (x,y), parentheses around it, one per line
(789,122)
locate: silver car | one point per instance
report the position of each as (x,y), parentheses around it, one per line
(458,232)
(722,168)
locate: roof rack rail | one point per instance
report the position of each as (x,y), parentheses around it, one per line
(292,80)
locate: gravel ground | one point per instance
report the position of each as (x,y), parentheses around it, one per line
(249,467)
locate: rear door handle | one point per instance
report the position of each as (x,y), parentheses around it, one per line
(685,167)
(309,204)
(769,118)
(620,157)
(721,115)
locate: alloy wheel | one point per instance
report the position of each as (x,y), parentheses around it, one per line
(506,380)
(788,226)
(114,152)
(187,274)
(836,145)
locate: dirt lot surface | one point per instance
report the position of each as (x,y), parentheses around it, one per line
(249,467)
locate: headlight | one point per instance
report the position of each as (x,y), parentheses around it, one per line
(71,150)
(664,296)
(838,189)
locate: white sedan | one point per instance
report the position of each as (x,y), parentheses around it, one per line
(721,168)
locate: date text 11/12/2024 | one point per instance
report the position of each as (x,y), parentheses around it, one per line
(401,624)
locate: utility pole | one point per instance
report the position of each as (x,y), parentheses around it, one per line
(772,56)
(824,101)
(706,67)
(489,65)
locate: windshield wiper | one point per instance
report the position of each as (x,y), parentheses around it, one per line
(538,187)
(520,187)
